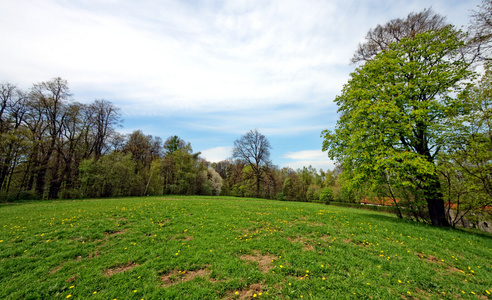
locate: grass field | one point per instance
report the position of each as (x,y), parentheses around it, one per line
(232,248)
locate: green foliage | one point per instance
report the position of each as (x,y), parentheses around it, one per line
(185,174)
(175,143)
(112,175)
(466,166)
(155,181)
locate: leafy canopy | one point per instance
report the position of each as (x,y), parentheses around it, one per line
(395,107)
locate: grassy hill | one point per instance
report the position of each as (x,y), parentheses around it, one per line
(232,248)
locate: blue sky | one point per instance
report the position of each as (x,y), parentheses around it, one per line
(207,71)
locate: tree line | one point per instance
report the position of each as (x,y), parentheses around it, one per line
(54,147)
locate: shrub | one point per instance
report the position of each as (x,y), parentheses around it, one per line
(280,197)
(326,195)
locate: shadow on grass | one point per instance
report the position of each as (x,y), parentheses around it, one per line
(394,219)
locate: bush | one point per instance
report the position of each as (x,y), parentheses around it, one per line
(21,196)
(326,195)
(280,197)
(70,194)
(313,193)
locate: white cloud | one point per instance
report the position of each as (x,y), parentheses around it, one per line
(217,154)
(316,158)
(306,155)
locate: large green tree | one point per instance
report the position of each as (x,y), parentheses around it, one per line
(393,112)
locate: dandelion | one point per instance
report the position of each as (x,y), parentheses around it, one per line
(69,296)
(236,293)
(95,292)
(254,296)
(135,291)
(72,287)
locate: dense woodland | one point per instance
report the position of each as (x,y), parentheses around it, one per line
(415,127)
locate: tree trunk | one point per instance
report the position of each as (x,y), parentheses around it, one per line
(258,186)
(55,183)
(42,172)
(435,202)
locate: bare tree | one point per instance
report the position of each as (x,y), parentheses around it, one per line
(481,29)
(105,116)
(254,149)
(379,38)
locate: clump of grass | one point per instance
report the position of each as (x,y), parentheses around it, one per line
(232,248)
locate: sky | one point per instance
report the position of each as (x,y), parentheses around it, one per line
(207,71)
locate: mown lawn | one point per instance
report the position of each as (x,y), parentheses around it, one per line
(232,248)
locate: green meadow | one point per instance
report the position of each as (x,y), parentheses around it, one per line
(232,248)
